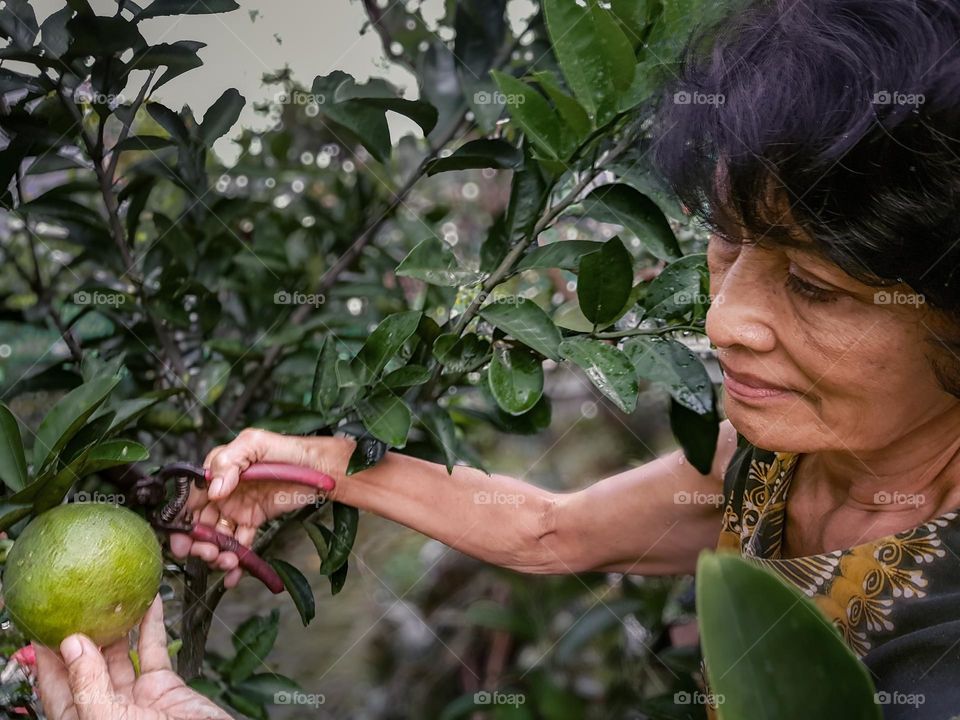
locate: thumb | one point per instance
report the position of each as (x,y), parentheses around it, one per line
(89,678)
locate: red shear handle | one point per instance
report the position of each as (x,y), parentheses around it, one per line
(262,472)
(283,472)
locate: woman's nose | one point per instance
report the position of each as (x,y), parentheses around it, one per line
(743,309)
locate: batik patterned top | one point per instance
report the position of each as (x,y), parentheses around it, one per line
(895,600)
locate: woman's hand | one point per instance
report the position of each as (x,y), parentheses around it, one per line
(88,685)
(246,506)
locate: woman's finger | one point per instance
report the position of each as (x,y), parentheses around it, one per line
(153,640)
(232,578)
(53,683)
(227,561)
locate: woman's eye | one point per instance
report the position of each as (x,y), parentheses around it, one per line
(809,290)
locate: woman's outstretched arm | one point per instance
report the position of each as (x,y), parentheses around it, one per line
(653,519)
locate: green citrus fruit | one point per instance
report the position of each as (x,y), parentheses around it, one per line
(89,568)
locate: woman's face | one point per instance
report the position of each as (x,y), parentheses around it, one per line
(847,361)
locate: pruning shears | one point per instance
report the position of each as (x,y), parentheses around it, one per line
(170,517)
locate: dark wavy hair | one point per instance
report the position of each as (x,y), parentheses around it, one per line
(848,111)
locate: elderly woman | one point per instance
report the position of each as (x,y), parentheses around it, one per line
(819,142)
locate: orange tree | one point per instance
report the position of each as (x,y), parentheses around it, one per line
(329,280)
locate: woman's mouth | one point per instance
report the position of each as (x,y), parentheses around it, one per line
(751,388)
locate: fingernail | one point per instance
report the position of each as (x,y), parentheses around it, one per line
(216,487)
(71,649)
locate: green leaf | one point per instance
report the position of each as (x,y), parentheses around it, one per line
(386,416)
(265,687)
(595,56)
(570,110)
(624,205)
(608,369)
(368,452)
(697,435)
(112,453)
(169,121)
(672,363)
(221,116)
(54,38)
(532,113)
(422,113)
(13,463)
(299,589)
(748,619)
(407,376)
(160,8)
(325,389)
(245,706)
(205,687)
(253,641)
(100,35)
(334,546)
(461,354)
(530,423)
(67,417)
(433,261)
(516,379)
(19,23)
(605,281)
(529,193)
(564,254)
(525,321)
(443,434)
(483,153)
(383,344)
(50,493)
(178,57)
(13,512)
(677,289)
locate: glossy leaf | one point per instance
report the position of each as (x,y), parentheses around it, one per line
(253,641)
(433,261)
(442,433)
(532,113)
(387,417)
(67,417)
(516,379)
(298,587)
(673,364)
(13,463)
(608,369)
(626,206)
(697,435)
(461,354)
(484,153)
(383,344)
(678,288)
(407,376)
(523,320)
(564,254)
(747,617)
(221,116)
(604,282)
(368,452)
(160,8)
(112,453)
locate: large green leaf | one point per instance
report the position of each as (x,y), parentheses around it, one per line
(672,363)
(178,57)
(253,641)
(605,281)
(523,319)
(624,205)
(532,113)
(13,463)
(596,57)
(678,288)
(770,654)
(696,433)
(564,254)
(299,589)
(19,23)
(433,261)
(221,116)
(386,416)
(608,369)
(67,417)
(384,343)
(112,453)
(516,379)
(461,354)
(443,433)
